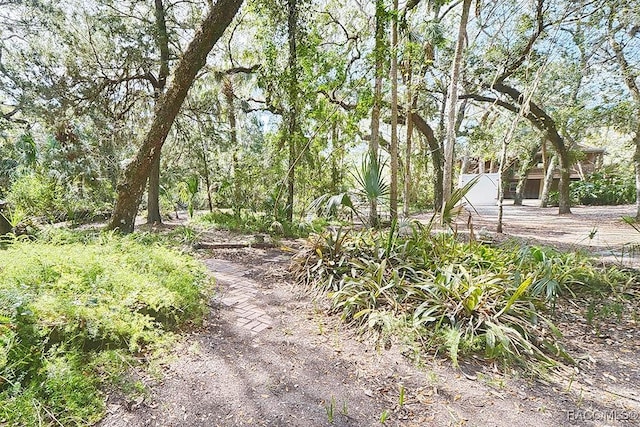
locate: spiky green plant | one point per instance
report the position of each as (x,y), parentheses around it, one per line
(464,297)
(329,206)
(370,178)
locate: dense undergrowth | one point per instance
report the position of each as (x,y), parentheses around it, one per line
(252,222)
(437,292)
(76,311)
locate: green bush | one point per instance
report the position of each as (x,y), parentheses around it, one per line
(38,195)
(252,222)
(69,302)
(608,187)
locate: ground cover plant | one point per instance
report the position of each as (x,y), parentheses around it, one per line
(78,310)
(458,297)
(257,222)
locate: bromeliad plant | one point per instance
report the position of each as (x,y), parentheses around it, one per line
(465,297)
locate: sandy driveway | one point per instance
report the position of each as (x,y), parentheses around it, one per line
(598,229)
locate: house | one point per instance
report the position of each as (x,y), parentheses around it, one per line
(590,160)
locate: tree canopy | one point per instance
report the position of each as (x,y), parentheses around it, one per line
(267,106)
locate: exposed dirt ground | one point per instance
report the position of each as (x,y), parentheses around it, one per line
(597,229)
(309,370)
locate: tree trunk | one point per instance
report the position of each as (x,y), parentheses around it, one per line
(564,192)
(502,179)
(227,91)
(452,98)
(194,58)
(548,180)
(393,149)
(636,164)
(336,169)
(291,177)
(630,78)
(437,160)
(292,118)
(379,56)
(207,182)
(525,167)
(411,105)
(153,192)
(520,186)
(465,164)
(162,39)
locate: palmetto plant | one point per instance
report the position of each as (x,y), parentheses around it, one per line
(370,178)
(330,205)
(372,187)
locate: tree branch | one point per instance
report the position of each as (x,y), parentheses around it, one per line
(334,100)
(245,70)
(540,27)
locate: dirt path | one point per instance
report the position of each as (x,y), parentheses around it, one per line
(269,356)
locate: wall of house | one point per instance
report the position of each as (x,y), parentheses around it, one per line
(484,192)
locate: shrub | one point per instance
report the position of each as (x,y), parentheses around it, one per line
(465,297)
(607,187)
(36,195)
(252,222)
(39,195)
(67,302)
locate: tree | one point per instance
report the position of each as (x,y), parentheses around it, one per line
(293,128)
(194,58)
(378,54)
(619,27)
(452,98)
(159,84)
(499,84)
(393,149)
(410,106)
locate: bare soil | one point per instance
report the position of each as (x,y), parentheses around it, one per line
(600,230)
(311,370)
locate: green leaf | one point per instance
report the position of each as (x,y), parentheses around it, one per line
(516,295)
